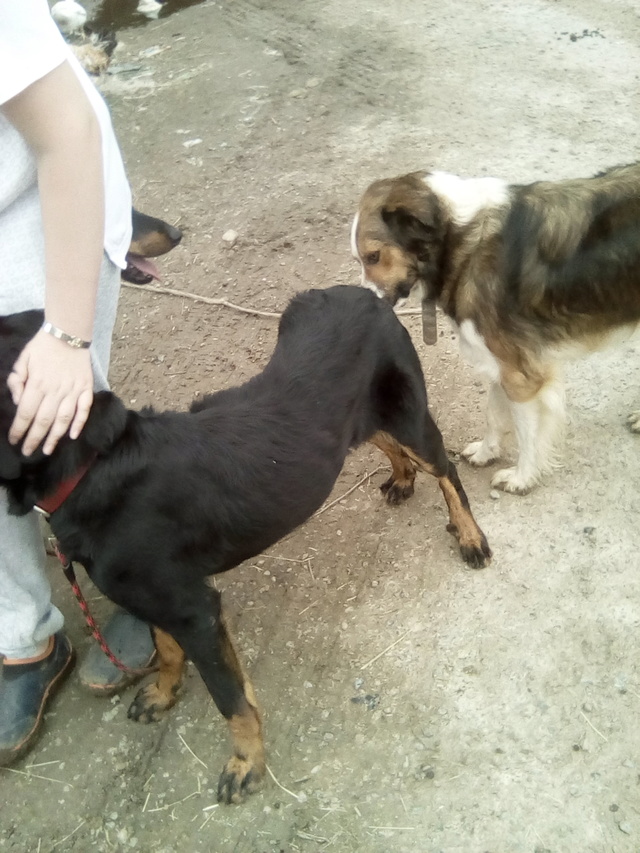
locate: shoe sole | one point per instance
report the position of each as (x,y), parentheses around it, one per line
(128,678)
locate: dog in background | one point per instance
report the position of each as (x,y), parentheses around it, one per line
(151,237)
(531,276)
(163,501)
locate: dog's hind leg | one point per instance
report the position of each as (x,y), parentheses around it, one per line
(153,700)
(473,543)
(427,453)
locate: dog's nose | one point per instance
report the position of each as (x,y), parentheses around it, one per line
(174,234)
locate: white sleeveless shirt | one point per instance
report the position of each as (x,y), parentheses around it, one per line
(30,47)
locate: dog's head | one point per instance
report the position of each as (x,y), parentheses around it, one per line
(150,237)
(30,478)
(398,235)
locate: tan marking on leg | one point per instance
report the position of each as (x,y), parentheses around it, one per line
(170,665)
(474,547)
(245,770)
(399,486)
(153,700)
(463,526)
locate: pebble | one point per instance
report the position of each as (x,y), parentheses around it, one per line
(230,237)
(494,494)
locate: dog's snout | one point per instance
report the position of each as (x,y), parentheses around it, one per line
(174,234)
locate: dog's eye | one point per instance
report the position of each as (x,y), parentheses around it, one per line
(372,258)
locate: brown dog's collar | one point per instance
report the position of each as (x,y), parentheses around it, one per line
(47,506)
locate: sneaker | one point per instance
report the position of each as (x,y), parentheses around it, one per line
(25,690)
(130,641)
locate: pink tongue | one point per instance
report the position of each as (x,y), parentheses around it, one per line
(144,265)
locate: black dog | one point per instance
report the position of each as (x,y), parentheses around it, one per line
(169,499)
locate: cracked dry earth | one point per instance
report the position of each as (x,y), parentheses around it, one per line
(411,704)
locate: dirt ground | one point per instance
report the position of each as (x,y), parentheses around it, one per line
(411,705)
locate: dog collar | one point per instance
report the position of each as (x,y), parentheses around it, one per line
(47,506)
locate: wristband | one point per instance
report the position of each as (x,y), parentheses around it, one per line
(76,343)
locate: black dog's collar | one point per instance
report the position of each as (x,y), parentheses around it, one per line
(47,506)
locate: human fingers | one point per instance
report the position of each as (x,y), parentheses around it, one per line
(27,408)
(55,417)
(58,380)
(83,407)
(64,416)
(41,421)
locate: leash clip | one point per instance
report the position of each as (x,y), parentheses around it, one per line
(54,546)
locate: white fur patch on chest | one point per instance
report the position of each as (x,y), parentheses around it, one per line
(476,352)
(466,197)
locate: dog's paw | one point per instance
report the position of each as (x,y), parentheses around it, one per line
(239,778)
(512,481)
(479,454)
(150,704)
(475,551)
(396,491)
(633,421)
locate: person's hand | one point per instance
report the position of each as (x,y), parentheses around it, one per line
(52,386)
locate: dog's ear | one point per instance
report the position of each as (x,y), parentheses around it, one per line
(413,231)
(106,422)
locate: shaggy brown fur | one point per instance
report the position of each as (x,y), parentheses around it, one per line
(539,272)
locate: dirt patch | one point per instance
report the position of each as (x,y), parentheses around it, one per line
(411,704)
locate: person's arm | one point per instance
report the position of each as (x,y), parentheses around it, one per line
(52,383)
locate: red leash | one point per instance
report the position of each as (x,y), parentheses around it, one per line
(47,507)
(67,568)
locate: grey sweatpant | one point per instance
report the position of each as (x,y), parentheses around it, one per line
(27,615)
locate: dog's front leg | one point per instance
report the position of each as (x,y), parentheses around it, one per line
(538,423)
(234,695)
(484,452)
(206,641)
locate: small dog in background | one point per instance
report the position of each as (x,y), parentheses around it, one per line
(161,501)
(532,276)
(151,237)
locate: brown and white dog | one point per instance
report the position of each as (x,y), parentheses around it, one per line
(531,276)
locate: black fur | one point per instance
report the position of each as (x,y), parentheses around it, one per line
(175,497)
